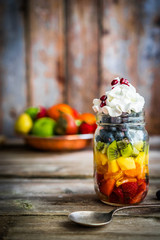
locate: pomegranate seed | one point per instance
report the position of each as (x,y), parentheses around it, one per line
(103,103)
(114,82)
(124,81)
(103,98)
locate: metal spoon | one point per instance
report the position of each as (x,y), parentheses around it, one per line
(95,219)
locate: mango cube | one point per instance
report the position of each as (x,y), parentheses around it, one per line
(126,163)
(113,166)
(101,158)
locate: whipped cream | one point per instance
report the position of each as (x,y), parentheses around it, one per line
(121,98)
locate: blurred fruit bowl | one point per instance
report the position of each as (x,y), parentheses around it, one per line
(59,143)
(58,127)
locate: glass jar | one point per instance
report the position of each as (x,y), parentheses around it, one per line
(121,152)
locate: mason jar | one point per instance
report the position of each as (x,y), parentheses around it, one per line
(121,152)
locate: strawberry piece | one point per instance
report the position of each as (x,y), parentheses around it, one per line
(100,178)
(129,189)
(119,193)
(117,196)
(113,198)
(85,128)
(141,193)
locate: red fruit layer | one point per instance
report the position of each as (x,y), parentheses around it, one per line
(117,196)
(130,189)
(86,128)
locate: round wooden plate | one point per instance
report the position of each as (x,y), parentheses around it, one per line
(59,143)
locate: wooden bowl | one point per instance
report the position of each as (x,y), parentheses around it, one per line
(59,143)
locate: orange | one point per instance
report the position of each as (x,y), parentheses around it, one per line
(55,111)
(88,118)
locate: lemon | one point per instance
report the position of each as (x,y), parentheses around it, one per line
(23,124)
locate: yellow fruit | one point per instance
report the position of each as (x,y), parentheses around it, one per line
(116,175)
(113,166)
(141,158)
(101,158)
(23,124)
(126,163)
(125,180)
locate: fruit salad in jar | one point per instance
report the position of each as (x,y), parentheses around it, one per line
(120,146)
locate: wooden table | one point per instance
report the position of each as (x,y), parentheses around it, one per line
(38,190)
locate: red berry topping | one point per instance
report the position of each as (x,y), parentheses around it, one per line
(103,103)
(130,189)
(114,82)
(124,81)
(103,98)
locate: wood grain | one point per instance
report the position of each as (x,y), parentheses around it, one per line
(46,56)
(128,34)
(12,65)
(65,50)
(30,163)
(44,188)
(48,227)
(60,197)
(82,53)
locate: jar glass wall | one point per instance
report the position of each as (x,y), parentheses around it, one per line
(121,153)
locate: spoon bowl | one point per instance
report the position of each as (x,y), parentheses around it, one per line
(91,218)
(96,219)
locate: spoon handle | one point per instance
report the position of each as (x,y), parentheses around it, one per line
(136,206)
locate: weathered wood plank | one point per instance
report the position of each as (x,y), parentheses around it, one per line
(23,162)
(82,53)
(46,56)
(12,65)
(47,227)
(130,48)
(59,197)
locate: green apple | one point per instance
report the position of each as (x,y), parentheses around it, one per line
(32,112)
(44,127)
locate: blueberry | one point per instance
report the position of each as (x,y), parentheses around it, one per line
(158,194)
(123,127)
(116,120)
(106,136)
(98,138)
(119,136)
(125,119)
(113,129)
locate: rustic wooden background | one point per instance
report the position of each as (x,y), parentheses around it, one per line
(55,51)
